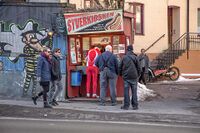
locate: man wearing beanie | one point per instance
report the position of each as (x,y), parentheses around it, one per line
(129,69)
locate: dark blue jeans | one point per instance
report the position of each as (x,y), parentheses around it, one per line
(133,85)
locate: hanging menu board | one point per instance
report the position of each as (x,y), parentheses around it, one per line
(121,48)
(72,50)
(115,44)
(78,50)
(75,50)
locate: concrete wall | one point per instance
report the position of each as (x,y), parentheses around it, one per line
(194,5)
(186,66)
(189,65)
(19,25)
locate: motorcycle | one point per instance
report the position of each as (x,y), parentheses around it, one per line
(172,73)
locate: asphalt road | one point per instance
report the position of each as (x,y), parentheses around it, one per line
(10,125)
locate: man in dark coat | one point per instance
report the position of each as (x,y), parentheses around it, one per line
(56,87)
(129,68)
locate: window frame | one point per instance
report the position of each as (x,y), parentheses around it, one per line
(198,25)
(134,4)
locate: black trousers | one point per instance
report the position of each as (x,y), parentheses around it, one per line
(142,78)
(45,87)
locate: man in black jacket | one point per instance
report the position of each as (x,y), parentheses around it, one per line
(56,77)
(130,70)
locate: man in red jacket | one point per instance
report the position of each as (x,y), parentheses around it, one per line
(92,72)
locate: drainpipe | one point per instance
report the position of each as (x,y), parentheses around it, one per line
(187,38)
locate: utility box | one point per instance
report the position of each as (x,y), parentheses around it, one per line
(76,78)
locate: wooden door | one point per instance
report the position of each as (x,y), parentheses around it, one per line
(170,25)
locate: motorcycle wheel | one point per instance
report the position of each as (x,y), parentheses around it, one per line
(174,73)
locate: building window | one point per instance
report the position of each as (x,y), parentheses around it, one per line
(88,4)
(138,10)
(198,19)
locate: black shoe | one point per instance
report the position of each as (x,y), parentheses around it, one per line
(114,104)
(102,104)
(54,102)
(46,105)
(35,100)
(135,108)
(124,108)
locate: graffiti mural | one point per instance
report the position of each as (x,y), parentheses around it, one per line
(24,42)
(1,66)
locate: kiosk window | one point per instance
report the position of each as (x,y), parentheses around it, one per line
(78,50)
(86,46)
(75,50)
(72,50)
(101,40)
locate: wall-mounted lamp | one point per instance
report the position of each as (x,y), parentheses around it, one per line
(50,33)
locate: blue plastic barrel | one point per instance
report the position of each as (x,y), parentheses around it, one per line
(76,78)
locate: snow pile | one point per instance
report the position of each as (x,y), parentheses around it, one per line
(143,92)
(182,79)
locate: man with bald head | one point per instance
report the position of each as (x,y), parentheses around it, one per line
(108,66)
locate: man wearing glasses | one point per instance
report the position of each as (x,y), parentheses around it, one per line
(44,75)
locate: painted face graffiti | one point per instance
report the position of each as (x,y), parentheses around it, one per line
(24,42)
(31,38)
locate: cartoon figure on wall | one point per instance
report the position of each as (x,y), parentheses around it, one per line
(28,43)
(31,50)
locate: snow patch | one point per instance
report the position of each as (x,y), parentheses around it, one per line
(182,79)
(143,92)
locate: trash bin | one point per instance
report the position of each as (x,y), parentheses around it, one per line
(76,78)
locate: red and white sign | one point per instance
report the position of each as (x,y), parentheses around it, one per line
(90,22)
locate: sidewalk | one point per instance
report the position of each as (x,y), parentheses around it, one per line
(175,105)
(186,107)
(178,112)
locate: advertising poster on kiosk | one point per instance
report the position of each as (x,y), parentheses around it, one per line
(89,22)
(103,25)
